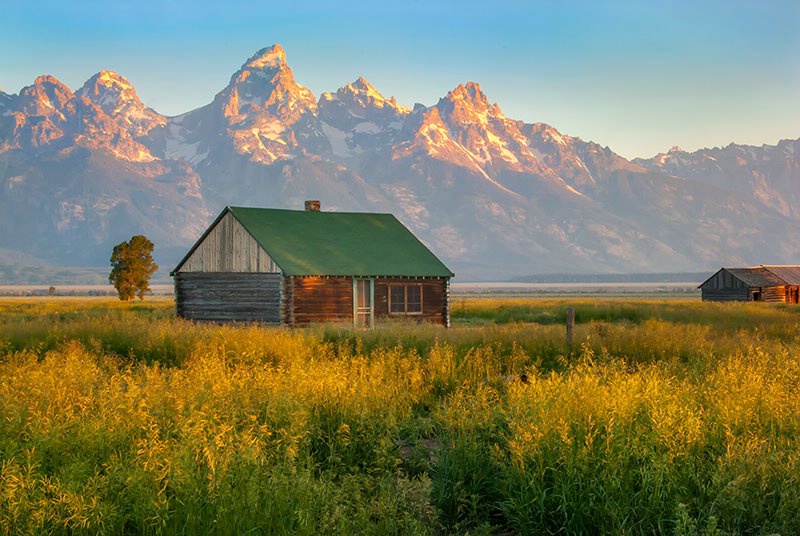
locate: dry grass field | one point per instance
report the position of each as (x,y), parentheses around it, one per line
(666,416)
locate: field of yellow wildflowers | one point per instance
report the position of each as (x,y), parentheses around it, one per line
(665,417)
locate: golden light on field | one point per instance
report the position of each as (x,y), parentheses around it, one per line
(664,414)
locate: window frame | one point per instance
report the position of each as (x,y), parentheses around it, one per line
(405,287)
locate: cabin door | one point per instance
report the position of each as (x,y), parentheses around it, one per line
(363,300)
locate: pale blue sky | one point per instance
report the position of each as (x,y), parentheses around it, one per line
(635,75)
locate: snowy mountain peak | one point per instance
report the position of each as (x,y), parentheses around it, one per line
(362,85)
(362,94)
(266,83)
(273,57)
(108,90)
(46,96)
(48,79)
(470,93)
(262,108)
(357,118)
(111,92)
(48,114)
(468,104)
(111,79)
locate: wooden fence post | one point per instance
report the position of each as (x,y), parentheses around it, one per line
(570,326)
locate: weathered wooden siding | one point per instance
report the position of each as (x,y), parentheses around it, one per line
(228,247)
(725,294)
(435,303)
(724,280)
(724,286)
(228,297)
(792,294)
(763,294)
(317,299)
(768,294)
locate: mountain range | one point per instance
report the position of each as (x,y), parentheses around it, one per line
(493,196)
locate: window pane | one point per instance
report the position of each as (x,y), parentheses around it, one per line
(414,299)
(363,291)
(397,299)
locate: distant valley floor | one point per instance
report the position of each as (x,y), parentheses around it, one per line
(493,289)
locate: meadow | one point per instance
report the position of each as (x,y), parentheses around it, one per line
(670,416)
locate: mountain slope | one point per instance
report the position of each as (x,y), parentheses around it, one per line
(118,99)
(768,174)
(494,196)
(75,181)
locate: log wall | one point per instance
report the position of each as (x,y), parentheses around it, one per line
(768,294)
(317,299)
(792,294)
(228,247)
(725,294)
(435,298)
(778,294)
(309,300)
(228,297)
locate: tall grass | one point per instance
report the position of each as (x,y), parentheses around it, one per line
(677,417)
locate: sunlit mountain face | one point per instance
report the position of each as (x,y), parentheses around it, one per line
(495,197)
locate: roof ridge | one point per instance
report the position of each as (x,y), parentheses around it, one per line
(310,211)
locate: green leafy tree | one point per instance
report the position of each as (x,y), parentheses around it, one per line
(131,267)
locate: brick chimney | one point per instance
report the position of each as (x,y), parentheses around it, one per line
(312,205)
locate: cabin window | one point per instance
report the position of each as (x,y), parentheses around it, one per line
(757,296)
(405,299)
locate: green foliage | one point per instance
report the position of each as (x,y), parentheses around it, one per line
(132,266)
(666,418)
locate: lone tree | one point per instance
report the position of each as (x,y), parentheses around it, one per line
(131,267)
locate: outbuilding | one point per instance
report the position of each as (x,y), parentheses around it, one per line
(764,283)
(296,267)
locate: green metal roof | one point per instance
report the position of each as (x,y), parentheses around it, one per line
(339,243)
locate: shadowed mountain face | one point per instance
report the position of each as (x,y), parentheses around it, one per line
(493,196)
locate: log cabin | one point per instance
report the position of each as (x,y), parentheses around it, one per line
(298,267)
(765,283)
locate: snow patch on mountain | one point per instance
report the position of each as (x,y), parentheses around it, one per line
(414,212)
(273,57)
(338,140)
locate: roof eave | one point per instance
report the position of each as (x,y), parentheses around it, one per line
(374,276)
(199,241)
(700,286)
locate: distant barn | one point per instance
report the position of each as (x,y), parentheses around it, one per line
(765,283)
(295,267)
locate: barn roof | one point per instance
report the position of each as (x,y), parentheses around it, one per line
(337,243)
(757,276)
(789,274)
(764,275)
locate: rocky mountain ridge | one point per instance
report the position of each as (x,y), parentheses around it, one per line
(495,197)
